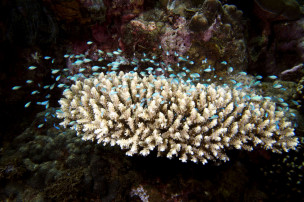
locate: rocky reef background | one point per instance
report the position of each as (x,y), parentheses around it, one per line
(259,37)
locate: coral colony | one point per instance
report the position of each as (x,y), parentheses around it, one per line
(143,104)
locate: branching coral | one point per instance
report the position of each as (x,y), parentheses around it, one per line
(197,123)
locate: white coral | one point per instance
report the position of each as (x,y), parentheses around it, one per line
(143,114)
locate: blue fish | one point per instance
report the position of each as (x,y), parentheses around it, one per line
(57,78)
(272,77)
(243,73)
(86,60)
(170,69)
(56,126)
(295,102)
(78,62)
(16,87)
(27,104)
(35,92)
(214,117)
(182,59)
(60,85)
(95,68)
(32,67)
(230,69)
(40,125)
(258,77)
(55,71)
(82,69)
(277,85)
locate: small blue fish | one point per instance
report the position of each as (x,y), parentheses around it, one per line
(257,83)
(57,79)
(27,104)
(182,59)
(86,60)
(233,81)
(60,85)
(272,77)
(258,77)
(238,85)
(155,94)
(47,57)
(277,85)
(224,62)
(35,92)
(230,69)
(191,62)
(181,74)
(195,75)
(174,81)
(40,125)
(44,102)
(280,99)
(16,87)
(78,62)
(214,117)
(149,69)
(95,68)
(257,98)
(66,56)
(170,69)
(89,42)
(243,73)
(143,73)
(284,104)
(56,126)
(295,102)
(113,92)
(82,69)
(267,98)
(55,71)
(192,90)
(32,67)
(208,70)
